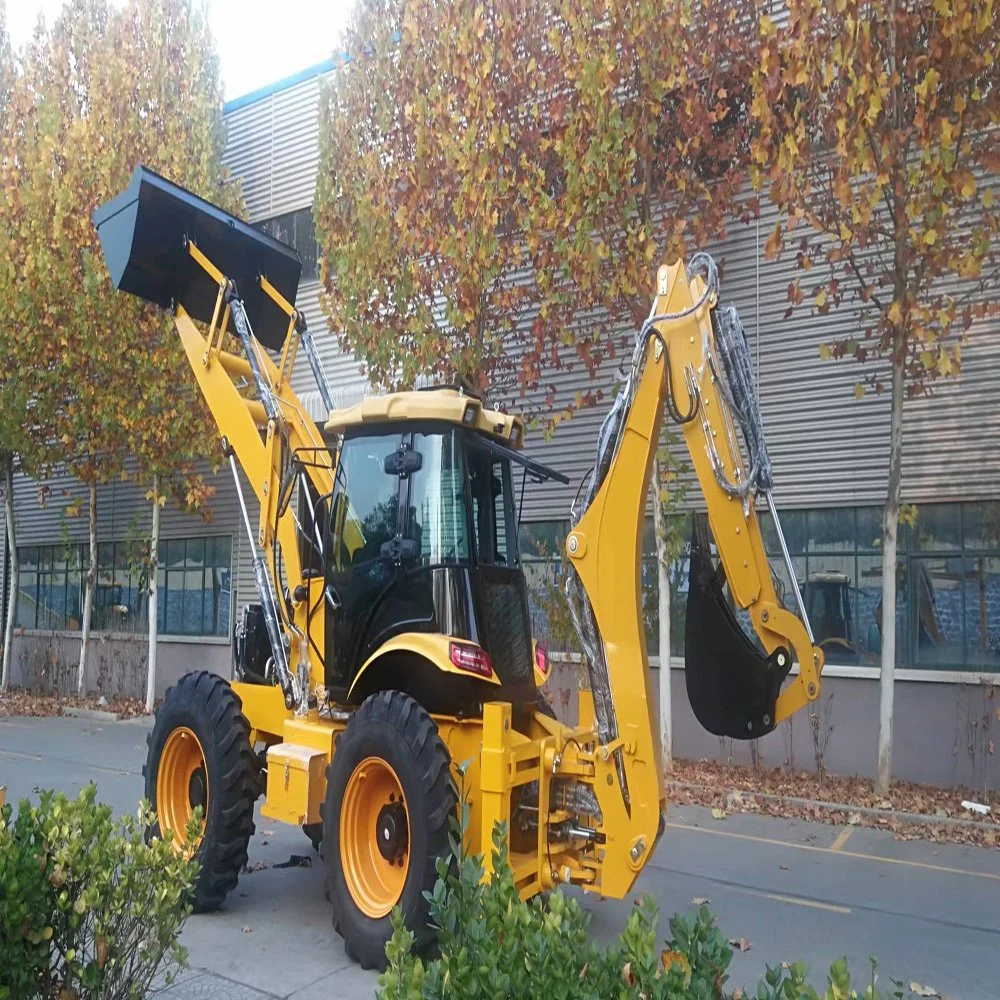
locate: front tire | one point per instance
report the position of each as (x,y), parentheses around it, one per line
(389,800)
(199,754)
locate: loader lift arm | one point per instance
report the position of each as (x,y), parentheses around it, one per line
(677,358)
(168,246)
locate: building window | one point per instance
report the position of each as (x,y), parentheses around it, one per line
(195,584)
(948,583)
(298,230)
(49,592)
(540,545)
(120,600)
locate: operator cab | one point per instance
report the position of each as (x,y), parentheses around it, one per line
(421,536)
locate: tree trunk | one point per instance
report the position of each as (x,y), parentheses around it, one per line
(663,609)
(890,527)
(14,583)
(154,542)
(88,599)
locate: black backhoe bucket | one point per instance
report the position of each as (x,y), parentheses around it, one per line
(144,233)
(731,684)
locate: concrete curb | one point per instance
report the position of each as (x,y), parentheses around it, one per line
(904,817)
(90,713)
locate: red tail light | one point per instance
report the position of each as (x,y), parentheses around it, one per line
(542,659)
(474,659)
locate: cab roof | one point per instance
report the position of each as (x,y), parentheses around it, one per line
(447,405)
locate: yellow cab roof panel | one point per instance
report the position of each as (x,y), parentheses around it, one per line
(448,405)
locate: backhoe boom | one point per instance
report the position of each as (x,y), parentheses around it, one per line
(677,358)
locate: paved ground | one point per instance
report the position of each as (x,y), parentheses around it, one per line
(795,890)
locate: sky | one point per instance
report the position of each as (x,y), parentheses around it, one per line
(258,41)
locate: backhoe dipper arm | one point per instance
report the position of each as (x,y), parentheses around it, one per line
(676,359)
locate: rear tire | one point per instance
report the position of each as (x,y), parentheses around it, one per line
(389,799)
(199,754)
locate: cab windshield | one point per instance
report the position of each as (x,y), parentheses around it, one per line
(456,507)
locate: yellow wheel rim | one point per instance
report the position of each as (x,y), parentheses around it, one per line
(374,837)
(181,783)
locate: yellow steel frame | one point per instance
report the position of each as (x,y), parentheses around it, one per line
(260,446)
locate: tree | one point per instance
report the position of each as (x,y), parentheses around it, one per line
(106,89)
(876,139)
(6,452)
(430,198)
(671,529)
(18,449)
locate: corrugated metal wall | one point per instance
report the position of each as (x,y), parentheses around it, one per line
(273,147)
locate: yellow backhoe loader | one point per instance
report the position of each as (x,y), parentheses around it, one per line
(390,641)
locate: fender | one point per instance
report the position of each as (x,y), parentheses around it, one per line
(432,647)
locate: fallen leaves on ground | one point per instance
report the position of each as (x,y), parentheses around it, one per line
(721,786)
(29,703)
(701,901)
(741,943)
(257,866)
(923,991)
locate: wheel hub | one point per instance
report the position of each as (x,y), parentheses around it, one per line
(181,783)
(391,833)
(374,837)
(198,789)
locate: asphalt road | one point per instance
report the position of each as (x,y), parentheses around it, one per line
(795,890)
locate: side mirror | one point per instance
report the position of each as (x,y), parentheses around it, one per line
(402,462)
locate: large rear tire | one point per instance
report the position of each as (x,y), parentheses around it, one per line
(199,754)
(389,799)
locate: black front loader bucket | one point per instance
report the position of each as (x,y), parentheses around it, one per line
(144,233)
(732,686)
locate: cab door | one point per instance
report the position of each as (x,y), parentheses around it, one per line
(362,566)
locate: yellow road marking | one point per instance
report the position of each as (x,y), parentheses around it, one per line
(844,854)
(794,900)
(842,838)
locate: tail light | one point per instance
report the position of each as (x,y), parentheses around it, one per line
(473,659)
(542,659)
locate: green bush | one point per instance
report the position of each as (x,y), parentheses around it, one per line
(494,946)
(88,908)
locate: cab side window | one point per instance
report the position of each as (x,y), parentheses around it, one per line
(365,510)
